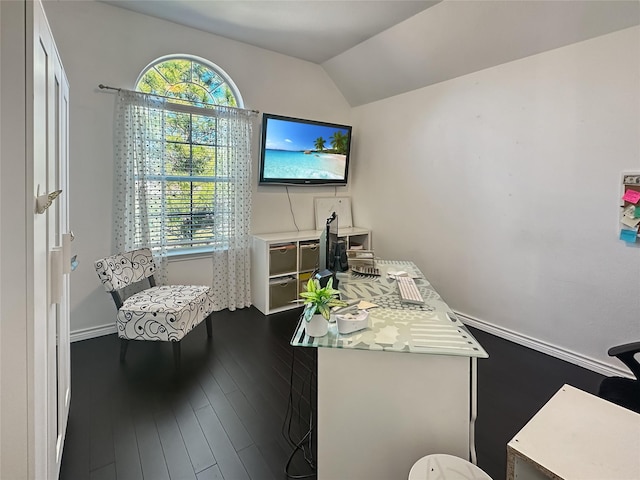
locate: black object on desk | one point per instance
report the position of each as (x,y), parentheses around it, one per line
(324,276)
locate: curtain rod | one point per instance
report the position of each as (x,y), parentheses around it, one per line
(107,87)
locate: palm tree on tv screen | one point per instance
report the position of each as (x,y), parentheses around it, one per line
(339,142)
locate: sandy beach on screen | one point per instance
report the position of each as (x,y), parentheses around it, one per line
(336,161)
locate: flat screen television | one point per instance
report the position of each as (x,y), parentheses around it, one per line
(295,151)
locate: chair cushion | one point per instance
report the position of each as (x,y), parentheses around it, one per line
(165,313)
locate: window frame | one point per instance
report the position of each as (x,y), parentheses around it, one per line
(180,105)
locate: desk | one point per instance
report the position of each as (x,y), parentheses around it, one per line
(576,435)
(399,390)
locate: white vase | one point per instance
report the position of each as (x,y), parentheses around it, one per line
(318,326)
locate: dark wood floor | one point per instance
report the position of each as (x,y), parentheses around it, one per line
(222,417)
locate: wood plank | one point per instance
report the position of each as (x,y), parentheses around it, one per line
(107,472)
(211,473)
(228,460)
(128,466)
(226,382)
(227,416)
(175,451)
(152,457)
(199,452)
(102,444)
(255,464)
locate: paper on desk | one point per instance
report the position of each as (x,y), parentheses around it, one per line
(363,305)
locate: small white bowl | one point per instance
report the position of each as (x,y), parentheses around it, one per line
(352,322)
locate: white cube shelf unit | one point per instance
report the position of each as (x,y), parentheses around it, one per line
(281,263)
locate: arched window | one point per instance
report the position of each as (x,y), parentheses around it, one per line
(190,79)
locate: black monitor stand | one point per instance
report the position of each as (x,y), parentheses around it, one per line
(329,240)
(336,248)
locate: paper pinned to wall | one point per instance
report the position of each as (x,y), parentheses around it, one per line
(630,207)
(632,196)
(325,206)
(630,221)
(629,236)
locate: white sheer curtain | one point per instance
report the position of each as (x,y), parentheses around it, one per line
(138,140)
(143,215)
(231,267)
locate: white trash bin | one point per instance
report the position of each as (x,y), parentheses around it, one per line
(445,467)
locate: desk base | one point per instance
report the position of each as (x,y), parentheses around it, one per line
(379,412)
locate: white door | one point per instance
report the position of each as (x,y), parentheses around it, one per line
(50,331)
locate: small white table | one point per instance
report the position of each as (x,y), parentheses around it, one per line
(576,435)
(399,390)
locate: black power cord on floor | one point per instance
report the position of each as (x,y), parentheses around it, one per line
(305,444)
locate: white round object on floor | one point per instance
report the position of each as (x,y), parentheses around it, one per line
(445,467)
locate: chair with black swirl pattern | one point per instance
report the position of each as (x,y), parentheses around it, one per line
(156,313)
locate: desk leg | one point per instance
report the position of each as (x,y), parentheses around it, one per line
(473,411)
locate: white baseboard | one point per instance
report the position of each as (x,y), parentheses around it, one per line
(92,332)
(543,347)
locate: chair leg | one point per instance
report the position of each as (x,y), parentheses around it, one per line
(209,325)
(176,354)
(124,344)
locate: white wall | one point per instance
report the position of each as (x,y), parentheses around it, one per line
(511,174)
(99,43)
(16,301)
(510,180)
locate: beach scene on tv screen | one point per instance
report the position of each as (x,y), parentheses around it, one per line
(295,150)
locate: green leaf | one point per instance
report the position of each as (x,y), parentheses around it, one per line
(320,299)
(309,312)
(324,311)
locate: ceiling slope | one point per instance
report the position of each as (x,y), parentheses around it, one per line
(454,38)
(312,30)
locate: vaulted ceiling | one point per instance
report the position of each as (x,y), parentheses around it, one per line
(376,49)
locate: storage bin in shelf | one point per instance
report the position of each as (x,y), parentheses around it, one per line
(282,258)
(282,291)
(303,279)
(309,256)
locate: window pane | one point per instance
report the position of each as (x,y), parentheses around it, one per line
(204,130)
(152,82)
(224,96)
(177,127)
(178,159)
(206,77)
(204,160)
(190,92)
(175,71)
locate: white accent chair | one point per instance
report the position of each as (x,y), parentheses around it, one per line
(157,313)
